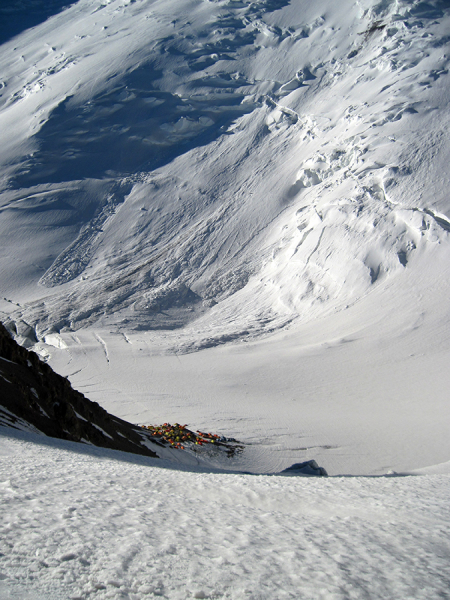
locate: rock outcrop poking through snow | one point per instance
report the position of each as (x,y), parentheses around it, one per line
(310,467)
(34,397)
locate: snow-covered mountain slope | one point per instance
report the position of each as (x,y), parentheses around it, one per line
(161,157)
(15,16)
(233,214)
(94,523)
(177,175)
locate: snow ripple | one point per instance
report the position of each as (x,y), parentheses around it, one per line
(79,525)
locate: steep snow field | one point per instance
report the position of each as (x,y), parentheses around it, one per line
(234,215)
(240,165)
(90,523)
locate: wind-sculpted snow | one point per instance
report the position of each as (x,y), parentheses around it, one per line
(233,214)
(93,523)
(265,149)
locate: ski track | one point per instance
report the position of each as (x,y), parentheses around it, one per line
(103,345)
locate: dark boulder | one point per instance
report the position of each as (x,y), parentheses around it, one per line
(310,467)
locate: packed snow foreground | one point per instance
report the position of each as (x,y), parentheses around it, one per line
(234,215)
(82,522)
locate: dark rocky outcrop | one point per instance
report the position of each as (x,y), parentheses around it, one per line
(310,467)
(33,396)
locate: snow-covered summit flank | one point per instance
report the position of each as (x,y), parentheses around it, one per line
(33,398)
(16,17)
(244,164)
(180,175)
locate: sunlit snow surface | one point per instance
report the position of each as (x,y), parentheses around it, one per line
(91,523)
(236,215)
